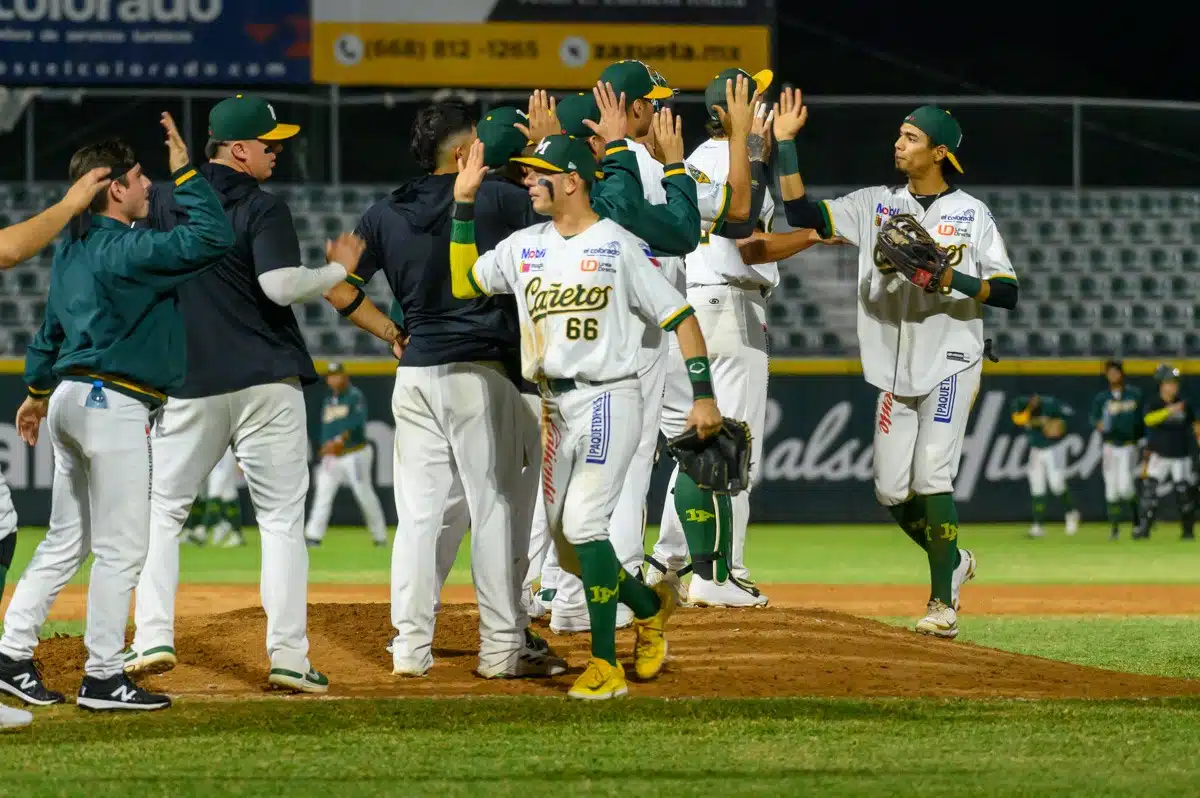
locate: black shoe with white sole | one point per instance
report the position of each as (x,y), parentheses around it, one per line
(117,693)
(20,678)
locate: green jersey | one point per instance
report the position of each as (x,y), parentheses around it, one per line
(669,229)
(345,414)
(1036,420)
(1118,416)
(112,314)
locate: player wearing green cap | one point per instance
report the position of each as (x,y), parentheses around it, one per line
(586,291)
(921,347)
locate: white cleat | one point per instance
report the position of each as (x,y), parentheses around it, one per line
(964,573)
(1036,531)
(939,621)
(535,658)
(733,592)
(1072,519)
(14,718)
(531,603)
(562,623)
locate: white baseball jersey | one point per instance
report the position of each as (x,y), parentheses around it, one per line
(584,301)
(910,340)
(717,260)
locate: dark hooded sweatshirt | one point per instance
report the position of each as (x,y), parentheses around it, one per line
(237,337)
(408,239)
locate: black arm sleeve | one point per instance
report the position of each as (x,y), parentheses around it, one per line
(1000,294)
(803,212)
(758,195)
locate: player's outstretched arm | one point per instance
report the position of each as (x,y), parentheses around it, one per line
(705,416)
(790,117)
(739,121)
(352,303)
(24,240)
(762,247)
(463,252)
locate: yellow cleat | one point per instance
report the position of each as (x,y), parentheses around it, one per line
(650,643)
(600,682)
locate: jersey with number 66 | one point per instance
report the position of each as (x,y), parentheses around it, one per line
(910,340)
(584,301)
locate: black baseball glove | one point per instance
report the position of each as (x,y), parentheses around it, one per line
(720,463)
(904,246)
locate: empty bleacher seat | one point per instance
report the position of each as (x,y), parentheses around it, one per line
(1136,344)
(831,344)
(1049,315)
(792,286)
(1032,203)
(1141,316)
(1064,203)
(1113,316)
(1102,343)
(1042,343)
(1174,314)
(1089,287)
(1071,344)
(777,315)
(1005,343)
(1179,286)
(1020,316)
(10,313)
(1151,203)
(1166,342)
(1119,287)
(1191,343)
(1150,286)
(329,343)
(1170,231)
(1069,260)
(810,314)
(1082,315)
(1057,287)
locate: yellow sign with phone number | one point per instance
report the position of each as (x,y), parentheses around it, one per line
(527,55)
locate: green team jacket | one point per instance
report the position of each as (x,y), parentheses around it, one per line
(1048,409)
(1119,418)
(670,229)
(112,314)
(345,414)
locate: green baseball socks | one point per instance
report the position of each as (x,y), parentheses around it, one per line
(932,523)
(605,584)
(707,520)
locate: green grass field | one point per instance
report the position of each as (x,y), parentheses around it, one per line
(794,746)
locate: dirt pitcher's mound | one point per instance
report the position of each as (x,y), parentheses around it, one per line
(714,653)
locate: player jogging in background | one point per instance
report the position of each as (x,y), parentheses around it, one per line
(922,349)
(111,345)
(246,366)
(1117,416)
(1044,419)
(1172,434)
(19,243)
(345,459)
(585,290)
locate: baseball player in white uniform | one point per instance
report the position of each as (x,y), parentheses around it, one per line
(586,289)
(346,459)
(247,363)
(729,294)
(922,350)
(223,511)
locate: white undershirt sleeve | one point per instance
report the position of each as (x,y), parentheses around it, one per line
(299,283)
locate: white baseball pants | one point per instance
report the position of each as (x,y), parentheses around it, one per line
(590,437)
(1048,470)
(464,420)
(353,469)
(1177,470)
(628,527)
(222,481)
(267,427)
(1118,464)
(99,504)
(918,439)
(734,323)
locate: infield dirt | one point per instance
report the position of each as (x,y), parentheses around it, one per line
(789,649)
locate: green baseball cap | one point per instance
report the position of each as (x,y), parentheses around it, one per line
(941,127)
(501,141)
(562,153)
(244,117)
(714,94)
(573,110)
(635,80)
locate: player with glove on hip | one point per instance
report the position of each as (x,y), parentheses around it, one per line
(585,289)
(930,257)
(1044,419)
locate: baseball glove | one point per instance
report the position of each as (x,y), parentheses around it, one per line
(720,463)
(904,246)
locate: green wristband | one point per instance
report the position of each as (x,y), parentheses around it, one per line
(700,377)
(787,160)
(966,284)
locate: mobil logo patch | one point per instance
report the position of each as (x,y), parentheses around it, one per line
(532,253)
(885,211)
(943,411)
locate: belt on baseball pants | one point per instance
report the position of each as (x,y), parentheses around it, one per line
(154,399)
(555,386)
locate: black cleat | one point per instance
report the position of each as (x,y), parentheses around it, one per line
(117,693)
(1115,533)
(21,678)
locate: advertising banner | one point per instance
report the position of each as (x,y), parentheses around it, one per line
(79,42)
(534,43)
(817,454)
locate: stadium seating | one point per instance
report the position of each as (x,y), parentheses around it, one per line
(1102,272)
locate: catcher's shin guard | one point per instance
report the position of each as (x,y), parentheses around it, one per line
(1186,499)
(1148,507)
